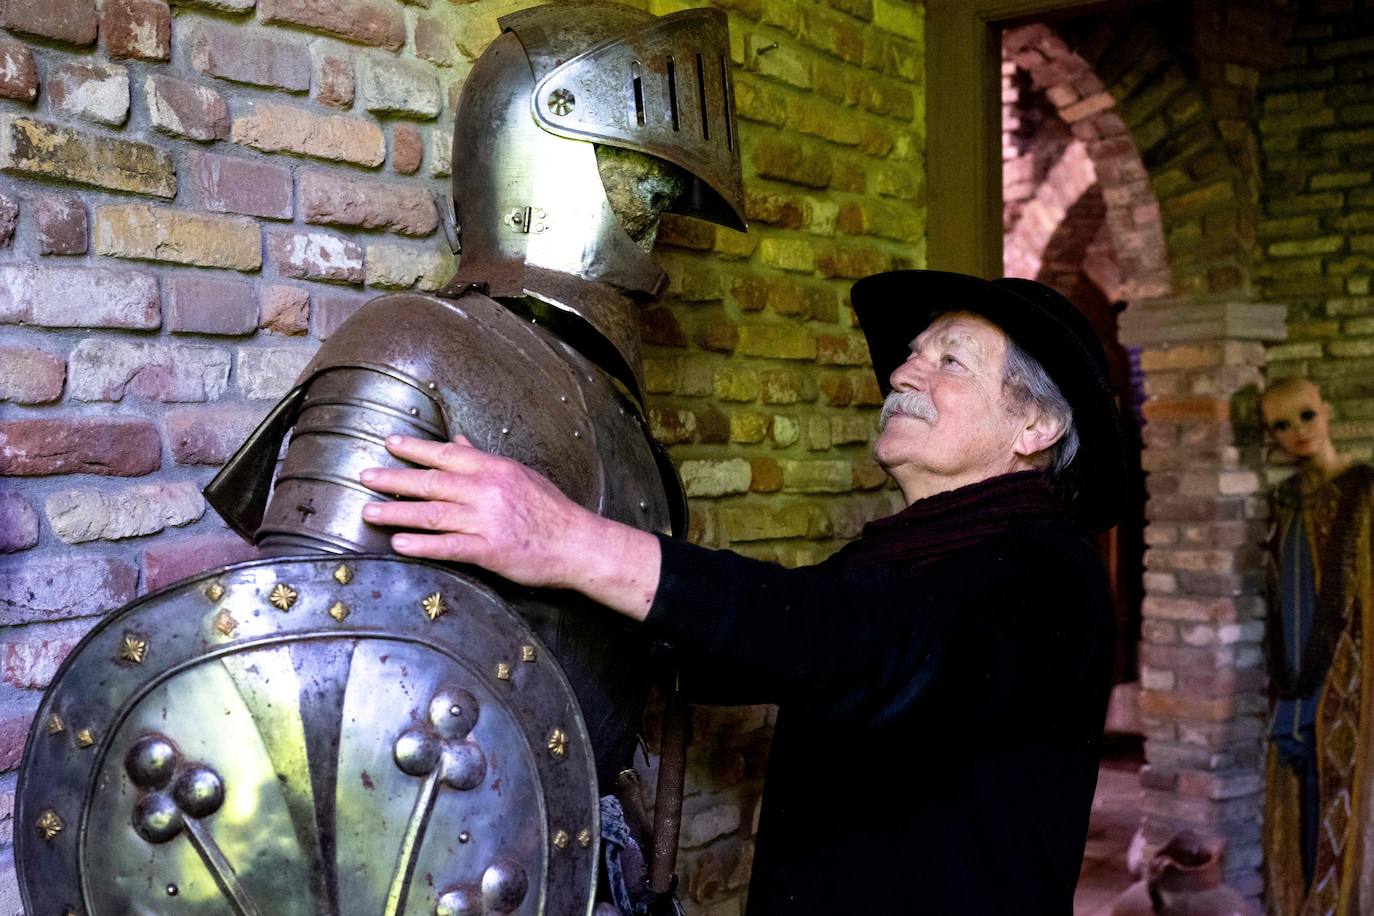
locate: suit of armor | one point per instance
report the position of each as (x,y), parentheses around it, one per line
(418,739)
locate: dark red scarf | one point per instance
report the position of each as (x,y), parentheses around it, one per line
(931,529)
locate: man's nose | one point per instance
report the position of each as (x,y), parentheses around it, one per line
(910,375)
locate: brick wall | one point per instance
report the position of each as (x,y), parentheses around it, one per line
(193,196)
(1316,125)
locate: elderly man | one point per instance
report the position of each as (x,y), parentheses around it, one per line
(942,681)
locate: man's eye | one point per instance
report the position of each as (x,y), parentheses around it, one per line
(1308,415)
(1280,426)
(947,361)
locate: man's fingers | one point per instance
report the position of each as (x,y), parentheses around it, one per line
(454,546)
(418,484)
(458,455)
(427,516)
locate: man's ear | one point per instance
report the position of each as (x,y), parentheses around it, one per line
(1040,432)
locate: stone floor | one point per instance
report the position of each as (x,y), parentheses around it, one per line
(1115,816)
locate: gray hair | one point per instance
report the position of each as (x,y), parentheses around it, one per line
(1025,382)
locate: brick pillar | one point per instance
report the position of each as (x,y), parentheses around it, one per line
(1202,671)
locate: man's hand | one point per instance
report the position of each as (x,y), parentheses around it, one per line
(501,515)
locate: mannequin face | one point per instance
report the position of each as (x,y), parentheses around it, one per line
(1298,418)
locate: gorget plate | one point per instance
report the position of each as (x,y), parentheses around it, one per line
(357,735)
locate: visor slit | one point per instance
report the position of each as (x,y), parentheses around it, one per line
(728,108)
(672,92)
(701,99)
(639,93)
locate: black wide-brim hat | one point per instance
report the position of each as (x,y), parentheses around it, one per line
(896,306)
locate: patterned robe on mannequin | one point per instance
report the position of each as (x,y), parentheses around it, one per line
(1322,561)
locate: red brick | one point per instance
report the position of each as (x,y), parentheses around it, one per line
(107,446)
(767,475)
(285,310)
(232,184)
(244,57)
(71,21)
(30,657)
(838,390)
(433,41)
(659,327)
(332,199)
(332,310)
(18,75)
(370,22)
(851,261)
(95,92)
(15,718)
(177,558)
(186,109)
(34,590)
(1186,410)
(60,297)
(209,435)
(18,522)
(62,224)
(407,149)
(29,375)
(334,82)
(849,350)
(313,256)
(784,159)
(140,29)
(199,304)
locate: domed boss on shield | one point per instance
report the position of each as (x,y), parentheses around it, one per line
(334,729)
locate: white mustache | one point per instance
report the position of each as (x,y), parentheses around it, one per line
(909,404)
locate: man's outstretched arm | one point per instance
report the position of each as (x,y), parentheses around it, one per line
(496,513)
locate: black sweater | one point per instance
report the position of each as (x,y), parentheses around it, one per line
(938,734)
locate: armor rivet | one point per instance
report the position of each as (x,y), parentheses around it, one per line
(505,430)
(85,738)
(464,837)
(563,398)
(577,434)
(49,825)
(434,606)
(644,504)
(527,653)
(343,575)
(339,611)
(455,710)
(282,596)
(561,102)
(560,839)
(55,726)
(502,671)
(214,591)
(171,890)
(133,649)
(225,623)
(414,411)
(584,838)
(432,386)
(558,743)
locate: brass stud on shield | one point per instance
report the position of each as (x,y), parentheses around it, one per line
(339,611)
(133,649)
(55,725)
(503,671)
(225,624)
(527,653)
(558,743)
(282,596)
(342,574)
(49,825)
(584,838)
(214,591)
(85,738)
(560,839)
(434,606)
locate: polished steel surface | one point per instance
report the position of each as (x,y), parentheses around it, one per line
(304,764)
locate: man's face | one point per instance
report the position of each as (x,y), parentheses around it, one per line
(946,425)
(1298,418)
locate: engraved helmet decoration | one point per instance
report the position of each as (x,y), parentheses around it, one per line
(362,736)
(559,81)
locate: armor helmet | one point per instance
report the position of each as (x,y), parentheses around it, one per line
(561,80)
